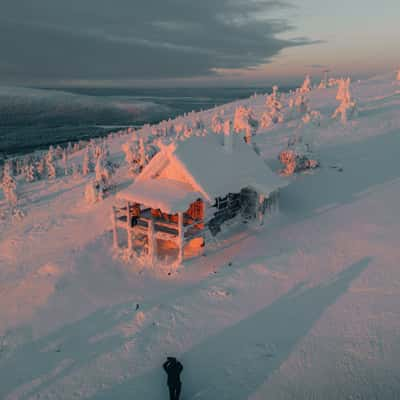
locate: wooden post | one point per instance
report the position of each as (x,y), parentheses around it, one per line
(180,237)
(261,209)
(151,241)
(129,226)
(115,232)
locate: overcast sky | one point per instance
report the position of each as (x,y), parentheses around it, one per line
(117,41)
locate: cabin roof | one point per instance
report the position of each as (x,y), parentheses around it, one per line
(165,194)
(218,171)
(206,170)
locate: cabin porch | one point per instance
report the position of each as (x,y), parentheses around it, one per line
(151,231)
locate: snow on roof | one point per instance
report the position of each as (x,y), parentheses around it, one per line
(167,195)
(218,171)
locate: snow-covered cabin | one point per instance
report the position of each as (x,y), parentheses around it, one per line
(190,189)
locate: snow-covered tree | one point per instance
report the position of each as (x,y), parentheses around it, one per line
(298,156)
(98,152)
(313,117)
(217,123)
(58,152)
(30,173)
(245,122)
(142,154)
(301,104)
(273,99)
(179,127)
(96,190)
(50,164)
(86,164)
(274,105)
(9,184)
(266,120)
(187,133)
(129,151)
(41,167)
(131,157)
(65,161)
(103,175)
(306,86)
(341,93)
(76,170)
(91,193)
(99,168)
(198,124)
(347,107)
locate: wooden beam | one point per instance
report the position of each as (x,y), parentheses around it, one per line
(128,226)
(261,209)
(180,237)
(114,225)
(152,244)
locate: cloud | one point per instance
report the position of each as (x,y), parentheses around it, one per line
(132,39)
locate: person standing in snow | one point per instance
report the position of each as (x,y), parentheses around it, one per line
(173,368)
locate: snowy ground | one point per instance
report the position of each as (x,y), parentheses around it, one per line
(305,307)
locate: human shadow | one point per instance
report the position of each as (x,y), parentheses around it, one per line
(235,362)
(364,164)
(37,364)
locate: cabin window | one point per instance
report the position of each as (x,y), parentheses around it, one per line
(221,202)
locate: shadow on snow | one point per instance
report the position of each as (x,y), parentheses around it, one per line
(236,361)
(365,164)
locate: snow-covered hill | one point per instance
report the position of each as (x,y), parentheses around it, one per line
(306,306)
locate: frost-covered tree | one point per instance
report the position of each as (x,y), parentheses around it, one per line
(76,170)
(301,104)
(41,167)
(274,105)
(50,164)
(187,133)
(273,99)
(65,161)
(306,86)
(341,93)
(30,173)
(245,122)
(106,149)
(9,185)
(129,151)
(298,156)
(91,193)
(179,127)
(313,117)
(98,152)
(99,169)
(266,120)
(103,175)
(142,154)
(217,123)
(198,124)
(347,107)
(86,164)
(58,152)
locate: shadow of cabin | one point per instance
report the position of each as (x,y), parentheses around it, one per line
(181,201)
